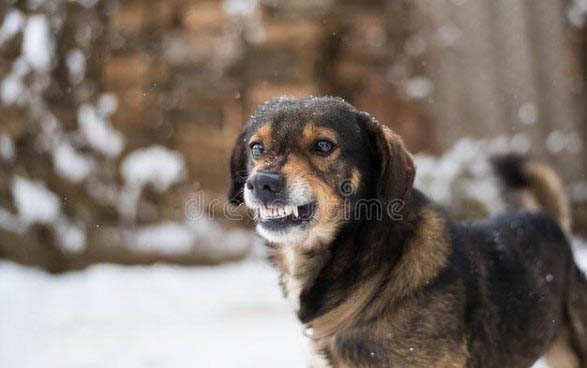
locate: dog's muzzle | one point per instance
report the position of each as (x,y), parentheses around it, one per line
(275,209)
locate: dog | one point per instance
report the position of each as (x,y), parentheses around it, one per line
(379,275)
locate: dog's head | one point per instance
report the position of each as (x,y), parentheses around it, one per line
(302,165)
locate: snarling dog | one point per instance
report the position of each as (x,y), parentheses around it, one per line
(380,275)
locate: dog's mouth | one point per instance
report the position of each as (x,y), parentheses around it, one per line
(277,217)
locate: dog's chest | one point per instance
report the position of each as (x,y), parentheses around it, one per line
(299,264)
(290,282)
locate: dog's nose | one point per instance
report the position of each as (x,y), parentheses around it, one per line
(266,186)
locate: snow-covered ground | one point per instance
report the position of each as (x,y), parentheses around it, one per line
(150,317)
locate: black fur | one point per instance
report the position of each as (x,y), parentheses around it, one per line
(509,167)
(506,289)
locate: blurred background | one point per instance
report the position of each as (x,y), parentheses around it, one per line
(117,119)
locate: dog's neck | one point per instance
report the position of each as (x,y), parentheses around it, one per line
(355,257)
(330,282)
(321,273)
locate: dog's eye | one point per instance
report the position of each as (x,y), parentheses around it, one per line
(257,149)
(323,147)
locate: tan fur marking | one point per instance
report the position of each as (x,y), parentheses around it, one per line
(548,189)
(263,134)
(295,168)
(327,325)
(278,259)
(310,134)
(355,179)
(455,360)
(426,254)
(561,354)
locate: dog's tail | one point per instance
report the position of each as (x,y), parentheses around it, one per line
(536,187)
(533,186)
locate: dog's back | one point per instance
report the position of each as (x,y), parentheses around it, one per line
(533,240)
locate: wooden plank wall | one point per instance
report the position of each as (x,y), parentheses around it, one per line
(507,66)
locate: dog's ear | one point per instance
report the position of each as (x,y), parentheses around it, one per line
(238,171)
(397,170)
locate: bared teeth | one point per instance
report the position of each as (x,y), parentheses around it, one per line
(277,212)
